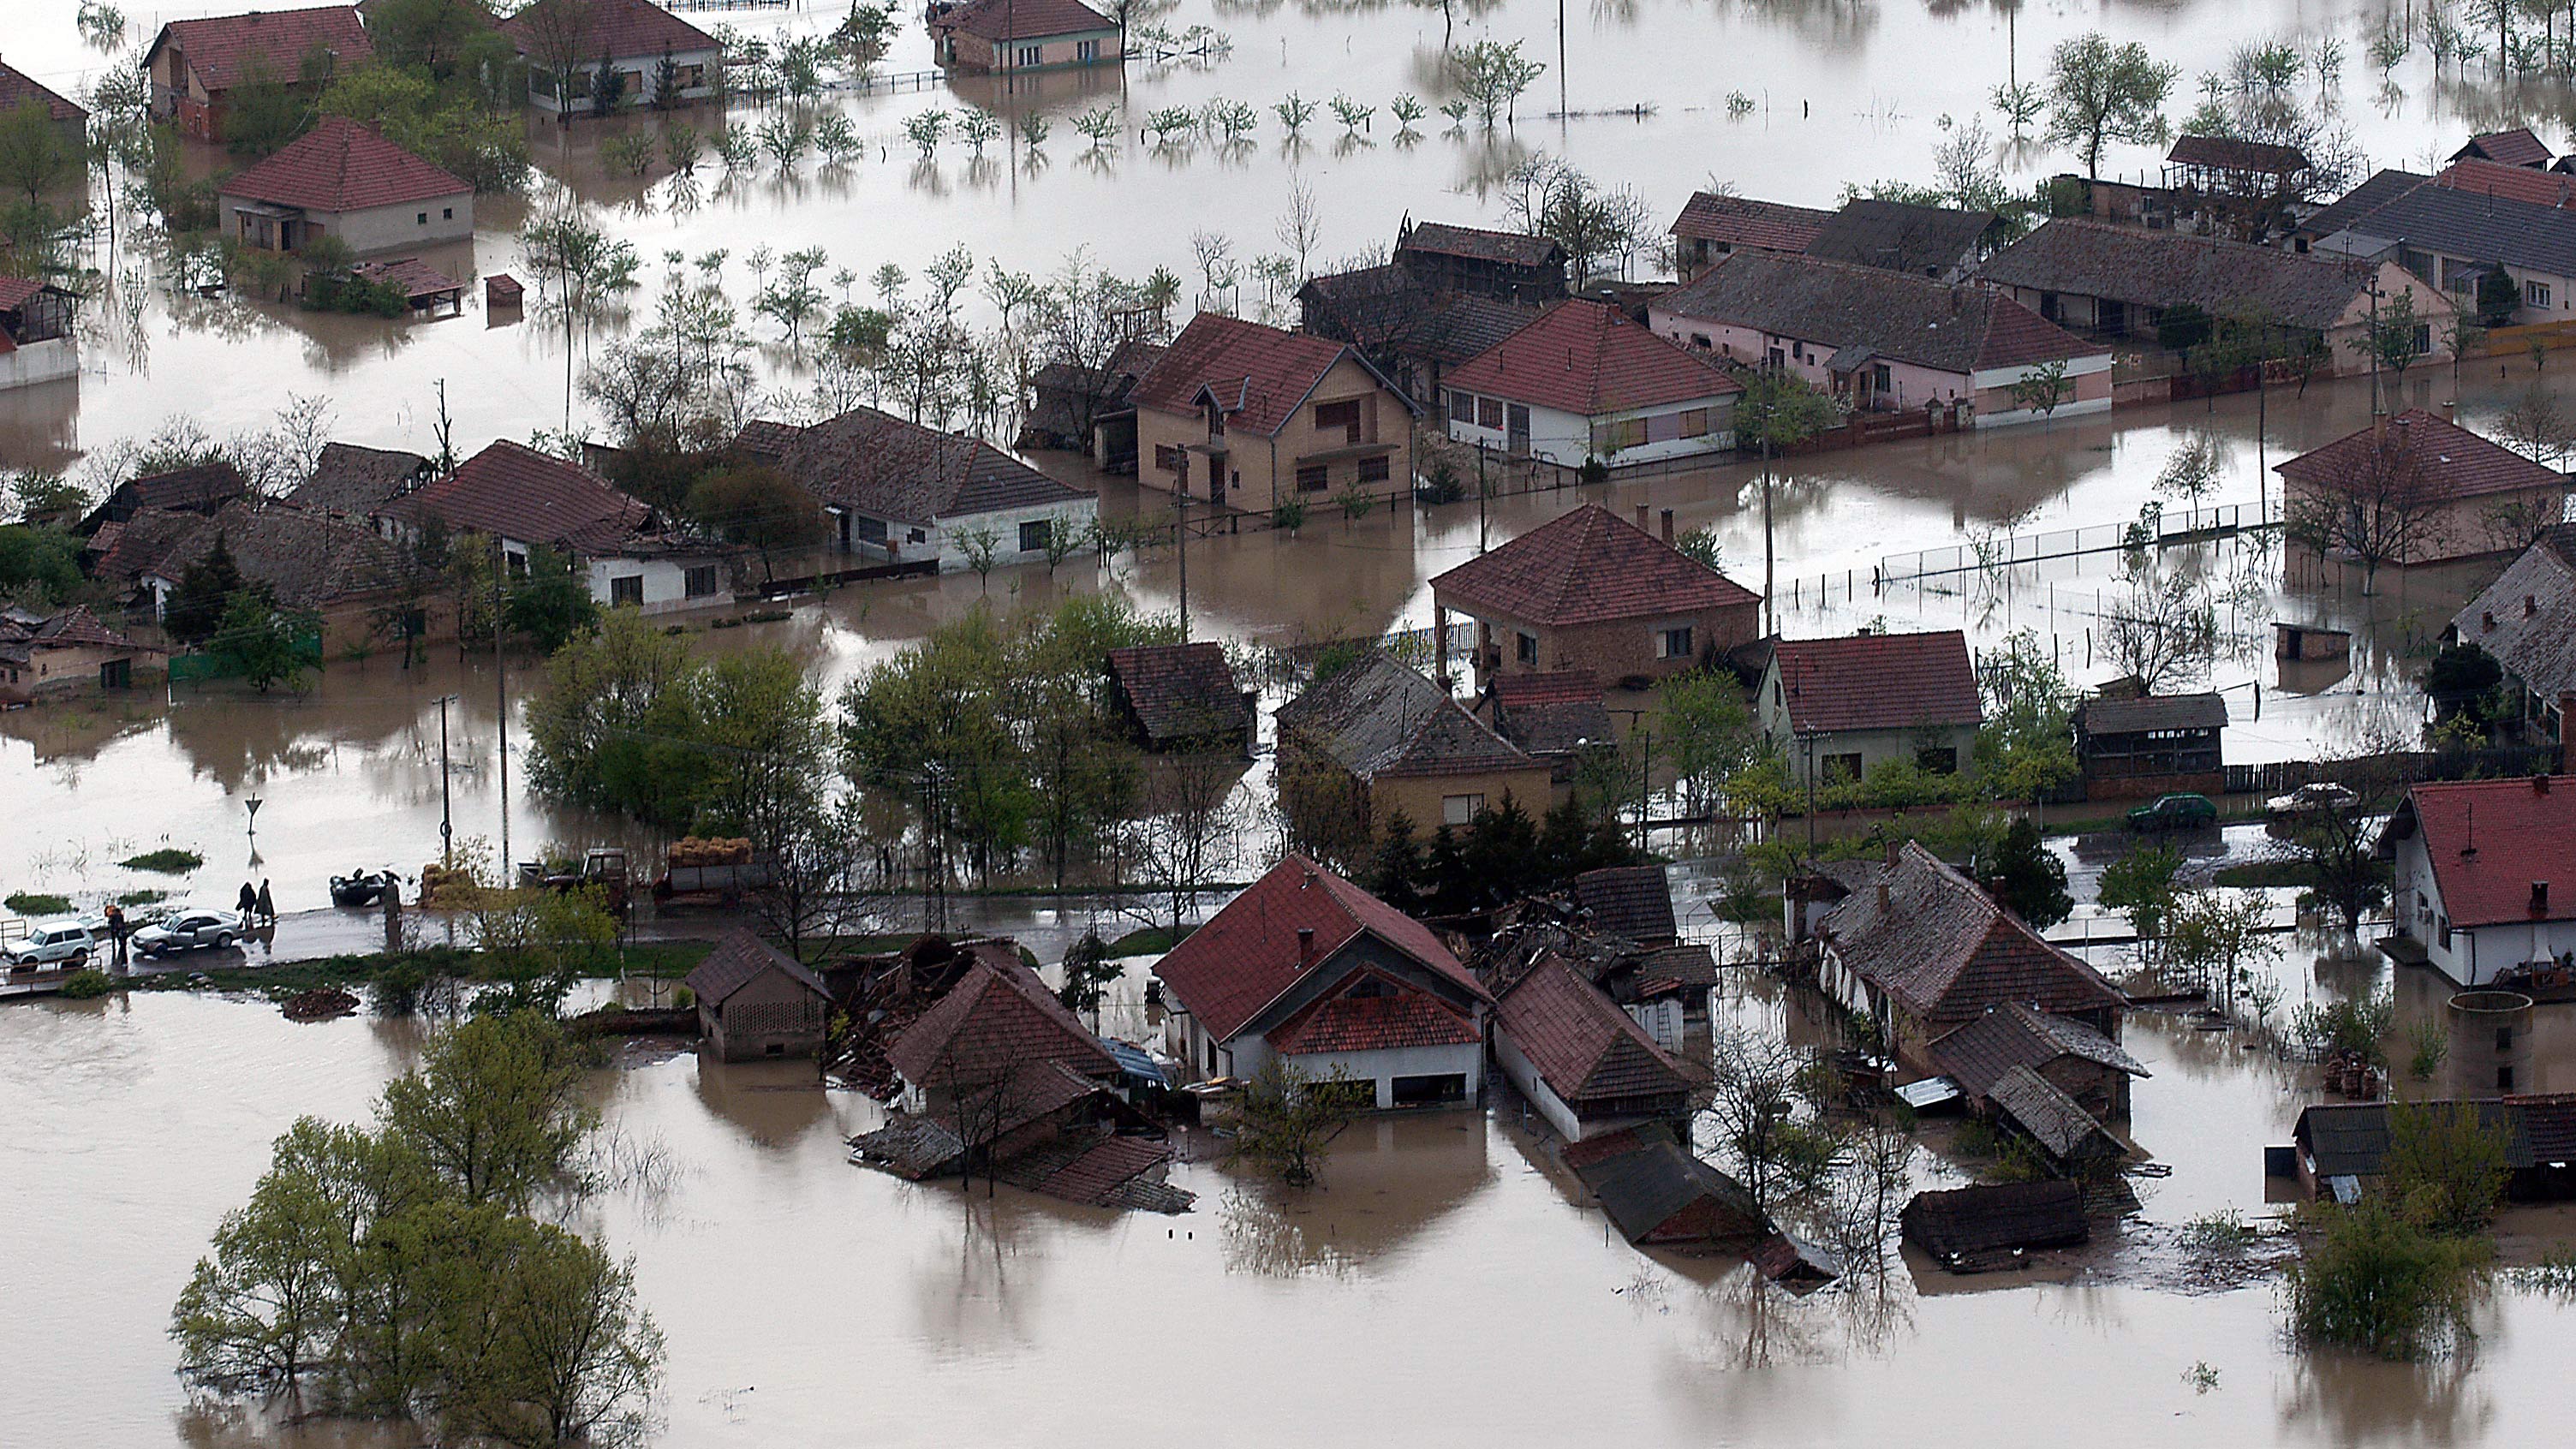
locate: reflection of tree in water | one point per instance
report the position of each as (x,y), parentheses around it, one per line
(1387,1180)
(982,1299)
(1266,1233)
(68,737)
(1830,23)
(2355,1399)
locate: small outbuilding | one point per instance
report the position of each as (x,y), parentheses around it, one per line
(36,341)
(1971,1229)
(756,1001)
(1183,696)
(2152,745)
(1658,1195)
(1632,902)
(342,180)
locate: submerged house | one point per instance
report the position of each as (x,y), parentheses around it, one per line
(194,66)
(1182,697)
(36,343)
(348,575)
(652,57)
(1508,266)
(1713,226)
(1587,590)
(1838,708)
(757,1001)
(344,181)
(1309,971)
(897,491)
(1583,383)
(2341,1148)
(1581,1062)
(17,88)
(1377,740)
(1658,1194)
(998,1020)
(65,652)
(1251,417)
(1016,35)
(2417,489)
(1969,1229)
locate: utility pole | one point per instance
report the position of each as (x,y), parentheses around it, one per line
(446,806)
(1181,541)
(501,693)
(1482,492)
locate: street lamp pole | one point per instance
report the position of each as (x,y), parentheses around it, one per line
(446,807)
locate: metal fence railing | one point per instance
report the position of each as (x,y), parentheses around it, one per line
(2001,551)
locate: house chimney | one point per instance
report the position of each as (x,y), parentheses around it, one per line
(1668,525)
(2540,784)
(2540,898)
(2486,620)
(1895,849)
(2451,411)
(2566,736)
(1883,907)
(1305,946)
(2530,605)
(1641,518)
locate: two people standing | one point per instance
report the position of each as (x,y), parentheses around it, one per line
(256,905)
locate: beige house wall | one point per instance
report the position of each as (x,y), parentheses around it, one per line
(2494,523)
(1261,472)
(1424,798)
(773,1014)
(1614,649)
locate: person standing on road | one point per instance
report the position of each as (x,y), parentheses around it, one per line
(267,904)
(248,906)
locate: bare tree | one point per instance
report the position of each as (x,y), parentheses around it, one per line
(2161,633)
(1184,836)
(562,41)
(2376,508)
(1301,227)
(1764,1119)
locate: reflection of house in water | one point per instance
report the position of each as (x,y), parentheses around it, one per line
(1386,1181)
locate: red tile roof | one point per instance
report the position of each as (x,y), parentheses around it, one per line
(1582,1044)
(2512,183)
(1946,952)
(1558,686)
(1246,956)
(226,50)
(1258,374)
(1023,19)
(338,166)
(997,1017)
(17,87)
(2517,147)
(621,29)
(512,491)
(1341,1022)
(2489,840)
(2425,457)
(1878,682)
(1743,221)
(1181,691)
(1585,567)
(1587,358)
(15,291)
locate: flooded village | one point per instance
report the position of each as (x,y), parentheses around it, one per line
(772,722)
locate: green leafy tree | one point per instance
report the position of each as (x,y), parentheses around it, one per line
(266,645)
(39,565)
(1290,1119)
(2099,92)
(551,602)
(2142,884)
(2447,1164)
(1395,874)
(494,1109)
(1777,412)
(2376,1282)
(196,606)
(264,1307)
(1089,972)
(757,507)
(2025,749)
(2029,880)
(35,155)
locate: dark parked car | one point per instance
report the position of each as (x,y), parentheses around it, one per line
(2174,812)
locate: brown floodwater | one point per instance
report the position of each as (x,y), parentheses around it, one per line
(1443,1286)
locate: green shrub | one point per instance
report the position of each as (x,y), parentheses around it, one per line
(2376,1282)
(165,861)
(142,898)
(87,985)
(39,903)
(682,998)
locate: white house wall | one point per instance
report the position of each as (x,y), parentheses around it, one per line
(1075,514)
(35,362)
(1523,1074)
(666,582)
(650,67)
(1566,438)
(2472,957)
(1998,382)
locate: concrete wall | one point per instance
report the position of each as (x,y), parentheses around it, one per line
(1910,385)
(945,540)
(381,229)
(1423,798)
(2086,388)
(1262,471)
(665,581)
(2495,523)
(34,362)
(1873,746)
(64,671)
(1614,650)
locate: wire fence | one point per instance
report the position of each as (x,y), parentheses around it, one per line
(2000,551)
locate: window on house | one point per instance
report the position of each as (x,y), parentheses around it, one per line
(626,590)
(1940,761)
(1694,422)
(1029,54)
(916,536)
(1370,988)
(1777,357)
(2535,294)
(1311,478)
(1425,1091)
(1700,341)
(1673,643)
(1036,535)
(2504,1038)
(1462,407)
(689,77)
(2423,338)
(1880,378)
(1167,459)
(1343,416)
(1461,809)
(424,218)
(1086,51)
(700,581)
(1489,413)
(2504,1079)
(1374,469)
(1842,769)
(869,530)
(447,213)
(1524,647)
(517,564)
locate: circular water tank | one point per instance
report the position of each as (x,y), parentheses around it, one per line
(2490,1043)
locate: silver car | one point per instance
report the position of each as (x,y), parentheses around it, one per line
(51,943)
(187,930)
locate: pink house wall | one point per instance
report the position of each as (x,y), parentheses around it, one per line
(1910,385)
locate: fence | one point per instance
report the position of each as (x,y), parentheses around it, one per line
(2279,777)
(2190,525)
(196,668)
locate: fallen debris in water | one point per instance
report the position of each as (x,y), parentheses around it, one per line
(322,1003)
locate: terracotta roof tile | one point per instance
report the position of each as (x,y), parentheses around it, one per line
(1896,316)
(2513,183)
(2169,269)
(1550,714)
(1181,691)
(998,1016)
(623,29)
(227,50)
(1587,358)
(1878,682)
(1946,952)
(512,491)
(15,292)
(17,87)
(2425,457)
(1584,567)
(1023,19)
(741,958)
(1583,1046)
(1258,374)
(2489,840)
(1381,718)
(1512,248)
(1341,1022)
(880,464)
(2516,147)
(339,166)
(1247,955)
(1977,1055)
(1743,221)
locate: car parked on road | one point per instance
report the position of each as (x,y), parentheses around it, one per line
(188,930)
(51,943)
(2174,812)
(2310,799)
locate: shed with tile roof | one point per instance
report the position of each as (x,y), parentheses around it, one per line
(65,652)
(1183,696)
(2514,147)
(1310,971)
(1657,1194)
(756,1001)
(1839,708)
(17,88)
(1713,225)
(1378,740)
(346,182)
(897,491)
(997,1018)
(1589,590)
(1967,1229)
(2139,748)
(2418,488)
